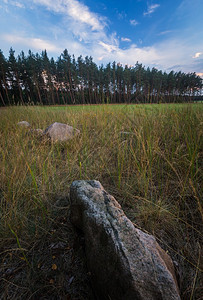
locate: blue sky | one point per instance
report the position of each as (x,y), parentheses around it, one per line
(164,34)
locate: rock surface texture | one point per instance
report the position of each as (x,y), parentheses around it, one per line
(60,132)
(125,263)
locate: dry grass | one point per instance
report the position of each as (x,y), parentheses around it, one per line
(153,170)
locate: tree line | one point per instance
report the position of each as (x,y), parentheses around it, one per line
(37,79)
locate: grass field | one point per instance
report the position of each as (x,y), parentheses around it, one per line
(148,156)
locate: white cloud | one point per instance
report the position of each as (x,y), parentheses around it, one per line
(133,54)
(100,58)
(17,4)
(171,54)
(78,24)
(165,32)
(122,15)
(34,43)
(197,55)
(200,74)
(75,10)
(110,48)
(151,9)
(125,39)
(133,22)
(14,3)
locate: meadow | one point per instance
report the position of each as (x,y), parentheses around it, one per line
(149,157)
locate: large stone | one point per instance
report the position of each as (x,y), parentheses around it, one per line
(125,263)
(60,132)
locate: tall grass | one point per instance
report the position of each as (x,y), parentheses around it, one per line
(148,157)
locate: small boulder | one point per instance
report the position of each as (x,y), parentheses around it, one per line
(126,134)
(124,262)
(37,132)
(24,124)
(60,132)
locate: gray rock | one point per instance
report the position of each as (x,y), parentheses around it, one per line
(60,132)
(126,133)
(24,124)
(125,263)
(38,132)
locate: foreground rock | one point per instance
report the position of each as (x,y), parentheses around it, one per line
(124,262)
(60,132)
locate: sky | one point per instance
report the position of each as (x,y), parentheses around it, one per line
(167,35)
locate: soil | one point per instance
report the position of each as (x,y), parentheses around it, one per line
(55,268)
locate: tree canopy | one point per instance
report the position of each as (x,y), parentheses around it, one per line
(37,79)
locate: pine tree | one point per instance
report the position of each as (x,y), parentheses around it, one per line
(4,96)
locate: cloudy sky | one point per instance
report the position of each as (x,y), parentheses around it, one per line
(166,34)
